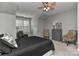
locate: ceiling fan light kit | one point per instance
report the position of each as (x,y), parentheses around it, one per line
(46,6)
(46,9)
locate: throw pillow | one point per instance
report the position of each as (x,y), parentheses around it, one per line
(8,40)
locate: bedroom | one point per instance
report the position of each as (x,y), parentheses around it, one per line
(29,18)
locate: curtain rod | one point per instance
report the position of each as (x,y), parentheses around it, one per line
(23,17)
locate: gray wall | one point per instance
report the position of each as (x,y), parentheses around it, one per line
(40,27)
(34,26)
(7,18)
(7,24)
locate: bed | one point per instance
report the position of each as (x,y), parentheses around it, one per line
(32,46)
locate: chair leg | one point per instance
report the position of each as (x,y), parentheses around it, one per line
(67,43)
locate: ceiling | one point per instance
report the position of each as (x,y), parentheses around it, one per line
(31,8)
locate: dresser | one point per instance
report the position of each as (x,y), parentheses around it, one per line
(57,34)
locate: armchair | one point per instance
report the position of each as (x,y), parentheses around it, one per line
(70,37)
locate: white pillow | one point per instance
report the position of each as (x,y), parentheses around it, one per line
(9,40)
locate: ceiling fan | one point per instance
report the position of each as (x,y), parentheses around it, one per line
(46,6)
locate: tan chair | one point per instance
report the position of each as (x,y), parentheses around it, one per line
(71,36)
(46,33)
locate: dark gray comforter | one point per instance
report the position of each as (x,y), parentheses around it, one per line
(32,46)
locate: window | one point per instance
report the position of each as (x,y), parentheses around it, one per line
(23,24)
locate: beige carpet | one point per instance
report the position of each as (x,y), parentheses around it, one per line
(61,49)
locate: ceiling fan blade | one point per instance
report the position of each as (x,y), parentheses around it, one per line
(53,6)
(53,3)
